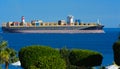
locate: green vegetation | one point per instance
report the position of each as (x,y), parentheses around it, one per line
(116,50)
(52,62)
(41,57)
(7,55)
(85,58)
(65,55)
(80,59)
(44,57)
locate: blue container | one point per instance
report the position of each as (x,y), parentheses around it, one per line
(79,21)
(37,24)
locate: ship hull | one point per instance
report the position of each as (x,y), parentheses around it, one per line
(60,29)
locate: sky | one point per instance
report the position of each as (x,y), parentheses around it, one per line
(107,11)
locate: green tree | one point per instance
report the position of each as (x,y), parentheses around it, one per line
(7,55)
(116,50)
(85,58)
(41,57)
(65,55)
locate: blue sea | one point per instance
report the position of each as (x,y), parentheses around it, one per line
(97,42)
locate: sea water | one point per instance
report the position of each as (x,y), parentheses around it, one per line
(101,42)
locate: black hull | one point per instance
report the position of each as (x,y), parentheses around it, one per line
(61,29)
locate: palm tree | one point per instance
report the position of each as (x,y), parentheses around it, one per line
(7,55)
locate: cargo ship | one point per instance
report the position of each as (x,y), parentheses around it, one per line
(61,26)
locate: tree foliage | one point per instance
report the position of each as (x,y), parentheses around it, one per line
(65,55)
(7,55)
(74,58)
(85,58)
(116,50)
(42,57)
(0,67)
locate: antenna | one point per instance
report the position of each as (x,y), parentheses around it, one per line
(98,21)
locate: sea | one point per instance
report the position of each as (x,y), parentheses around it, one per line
(100,42)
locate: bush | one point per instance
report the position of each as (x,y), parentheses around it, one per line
(116,50)
(85,58)
(32,67)
(42,57)
(65,54)
(52,62)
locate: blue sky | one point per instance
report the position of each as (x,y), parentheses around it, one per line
(108,11)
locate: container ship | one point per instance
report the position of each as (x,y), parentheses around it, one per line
(61,26)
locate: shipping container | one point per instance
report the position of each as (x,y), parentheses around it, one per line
(28,24)
(37,24)
(16,23)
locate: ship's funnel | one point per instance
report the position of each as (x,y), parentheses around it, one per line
(23,19)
